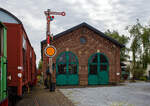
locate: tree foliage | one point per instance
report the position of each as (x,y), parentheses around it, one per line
(121,39)
(140,46)
(40,65)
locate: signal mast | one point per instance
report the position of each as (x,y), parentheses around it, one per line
(50,50)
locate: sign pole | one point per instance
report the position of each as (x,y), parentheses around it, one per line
(49,42)
(49,37)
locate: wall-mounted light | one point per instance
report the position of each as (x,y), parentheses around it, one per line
(19,75)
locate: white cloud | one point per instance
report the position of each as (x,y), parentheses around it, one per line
(106,14)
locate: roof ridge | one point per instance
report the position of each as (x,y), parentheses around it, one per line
(88,26)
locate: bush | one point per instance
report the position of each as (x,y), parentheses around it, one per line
(143,78)
(132,81)
(138,73)
(125,76)
(122,81)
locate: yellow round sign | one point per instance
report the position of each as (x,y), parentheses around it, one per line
(50,51)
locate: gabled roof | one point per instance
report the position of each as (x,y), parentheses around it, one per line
(5,11)
(88,26)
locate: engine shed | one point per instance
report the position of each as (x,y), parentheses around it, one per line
(85,56)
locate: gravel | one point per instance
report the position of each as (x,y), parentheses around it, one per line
(131,94)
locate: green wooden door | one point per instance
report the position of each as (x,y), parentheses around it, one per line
(67,69)
(98,68)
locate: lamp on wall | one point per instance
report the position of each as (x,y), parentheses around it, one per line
(98,51)
(67,49)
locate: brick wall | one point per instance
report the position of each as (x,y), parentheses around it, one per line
(94,44)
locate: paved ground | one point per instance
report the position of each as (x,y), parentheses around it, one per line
(42,97)
(131,94)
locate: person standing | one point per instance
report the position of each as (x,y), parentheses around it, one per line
(47,81)
(53,79)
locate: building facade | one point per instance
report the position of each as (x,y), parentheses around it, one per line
(85,56)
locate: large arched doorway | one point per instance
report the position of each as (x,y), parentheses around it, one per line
(67,69)
(98,69)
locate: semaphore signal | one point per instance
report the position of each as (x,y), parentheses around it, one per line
(50,18)
(50,50)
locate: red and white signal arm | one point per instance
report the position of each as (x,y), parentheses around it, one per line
(63,13)
(58,13)
(50,51)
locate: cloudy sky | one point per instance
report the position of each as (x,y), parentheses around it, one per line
(101,14)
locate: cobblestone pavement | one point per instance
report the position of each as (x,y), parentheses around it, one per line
(42,97)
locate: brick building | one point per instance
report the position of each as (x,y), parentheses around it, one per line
(85,56)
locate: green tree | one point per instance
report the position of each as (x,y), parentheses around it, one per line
(135,33)
(121,39)
(140,46)
(40,65)
(145,38)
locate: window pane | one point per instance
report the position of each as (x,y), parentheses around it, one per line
(71,58)
(62,58)
(72,68)
(103,59)
(62,68)
(93,69)
(94,59)
(103,67)
(82,40)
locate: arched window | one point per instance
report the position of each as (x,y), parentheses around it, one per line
(83,40)
(67,62)
(97,62)
(62,58)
